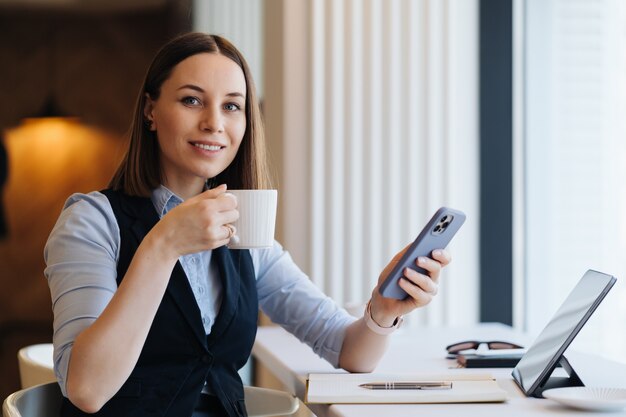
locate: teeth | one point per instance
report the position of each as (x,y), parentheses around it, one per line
(207,147)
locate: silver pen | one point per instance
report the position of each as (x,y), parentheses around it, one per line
(408,385)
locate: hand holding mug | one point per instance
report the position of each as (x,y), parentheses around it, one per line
(203,222)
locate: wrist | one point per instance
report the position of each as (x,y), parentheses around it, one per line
(380,327)
(160,245)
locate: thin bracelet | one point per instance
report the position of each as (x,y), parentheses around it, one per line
(375,327)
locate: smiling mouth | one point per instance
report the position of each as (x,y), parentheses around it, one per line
(208,147)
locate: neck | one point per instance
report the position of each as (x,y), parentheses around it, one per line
(185,190)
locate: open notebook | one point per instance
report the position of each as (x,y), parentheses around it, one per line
(344,389)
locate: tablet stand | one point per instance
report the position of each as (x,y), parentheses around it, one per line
(549,382)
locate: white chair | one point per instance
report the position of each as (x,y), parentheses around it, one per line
(38,401)
(35,364)
(265,402)
(45,400)
(42,397)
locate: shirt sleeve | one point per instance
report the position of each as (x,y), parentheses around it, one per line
(81,268)
(291,300)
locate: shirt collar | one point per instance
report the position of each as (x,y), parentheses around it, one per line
(164,200)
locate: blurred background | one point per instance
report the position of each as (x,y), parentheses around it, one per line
(377,113)
(69,77)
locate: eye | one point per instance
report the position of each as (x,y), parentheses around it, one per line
(191,101)
(232,107)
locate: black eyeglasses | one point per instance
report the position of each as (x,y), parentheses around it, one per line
(473,344)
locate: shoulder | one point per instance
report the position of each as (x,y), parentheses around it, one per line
(86,218)
(92,207)
(94,200)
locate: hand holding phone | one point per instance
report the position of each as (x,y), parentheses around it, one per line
(437,233)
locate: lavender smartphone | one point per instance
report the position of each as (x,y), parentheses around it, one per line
(437,233)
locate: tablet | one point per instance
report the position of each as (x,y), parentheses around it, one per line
(533,371)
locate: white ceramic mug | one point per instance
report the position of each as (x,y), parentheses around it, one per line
(257,219)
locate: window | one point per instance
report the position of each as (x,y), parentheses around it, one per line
(574,169)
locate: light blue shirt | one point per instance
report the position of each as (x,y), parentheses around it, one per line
(81,257)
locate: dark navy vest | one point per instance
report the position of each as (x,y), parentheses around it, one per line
(178,357)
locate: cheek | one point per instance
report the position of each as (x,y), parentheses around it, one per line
(168,124)
(241,129)
(236,147)
(237,131)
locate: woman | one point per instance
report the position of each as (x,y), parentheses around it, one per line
(153,314)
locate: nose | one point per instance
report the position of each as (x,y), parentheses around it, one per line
(212,120)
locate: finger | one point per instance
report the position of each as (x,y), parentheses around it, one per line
(443,256)
(228,201)
(433,267)
(215,227)
(225,217)
(218,236)
(230,231)
(422,281)
(210,194)
(420,297)
(221,203)
(215,192)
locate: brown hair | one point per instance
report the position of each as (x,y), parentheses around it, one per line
(140,170)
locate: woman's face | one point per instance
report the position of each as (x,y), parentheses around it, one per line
(199,119)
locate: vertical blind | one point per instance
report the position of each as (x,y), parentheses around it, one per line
(241,22)
(377,129)
(392,138)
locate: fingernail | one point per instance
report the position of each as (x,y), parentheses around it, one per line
(421,260)
(438,252)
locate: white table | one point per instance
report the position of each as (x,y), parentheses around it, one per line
(422,350)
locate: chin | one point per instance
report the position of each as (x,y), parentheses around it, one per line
(211,174)
(214,172)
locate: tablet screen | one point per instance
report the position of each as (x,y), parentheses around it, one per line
(541,358)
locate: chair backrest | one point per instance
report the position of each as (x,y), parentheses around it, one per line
(45,401)
(265,402)
(38,401)
(35,363)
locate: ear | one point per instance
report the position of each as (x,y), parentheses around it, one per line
(148,113)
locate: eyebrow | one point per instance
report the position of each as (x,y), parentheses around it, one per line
(200,90)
